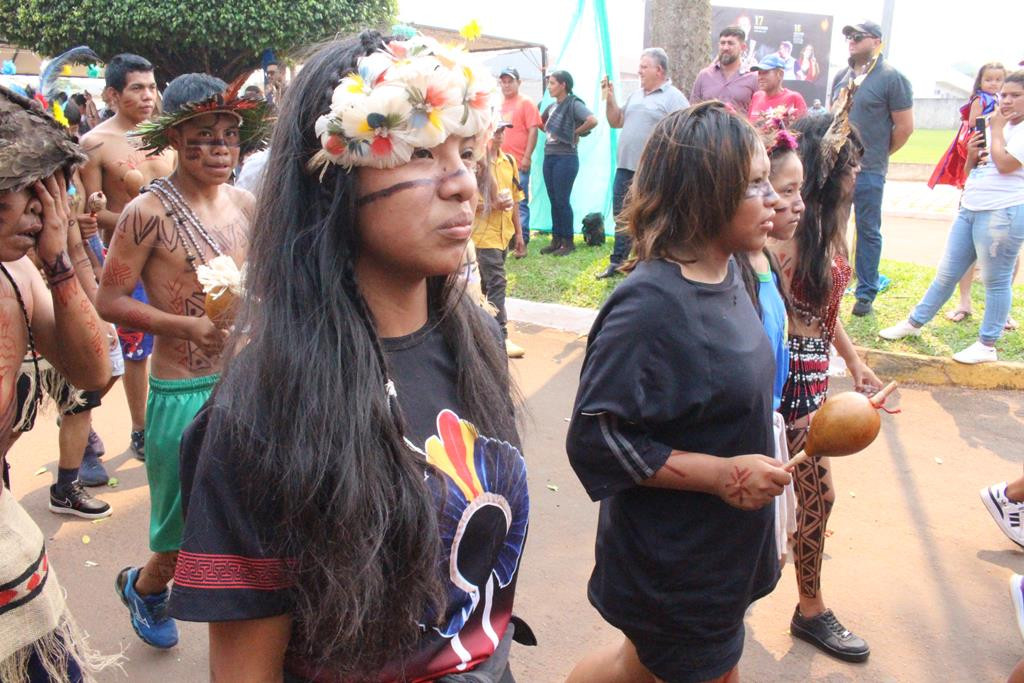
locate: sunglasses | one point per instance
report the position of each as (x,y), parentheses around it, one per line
(857,37)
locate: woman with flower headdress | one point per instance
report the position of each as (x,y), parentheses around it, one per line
(815,272)
(355,499)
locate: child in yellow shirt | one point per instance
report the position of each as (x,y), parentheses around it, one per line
(497,225)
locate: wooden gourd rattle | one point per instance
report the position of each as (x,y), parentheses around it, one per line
(133,180)
(97,202)
(845,424)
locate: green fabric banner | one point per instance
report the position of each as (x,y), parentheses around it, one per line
(586,53)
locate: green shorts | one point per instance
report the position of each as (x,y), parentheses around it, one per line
(171,407)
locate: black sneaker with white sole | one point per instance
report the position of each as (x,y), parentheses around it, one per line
(75,500)
(826,633)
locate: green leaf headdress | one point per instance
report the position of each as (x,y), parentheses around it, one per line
(252,116)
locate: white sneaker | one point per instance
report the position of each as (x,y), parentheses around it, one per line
(976,353)
(1017,598)
(900,330)
(1005,512)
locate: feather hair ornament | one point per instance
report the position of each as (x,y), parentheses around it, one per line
(76,55)
(838,133)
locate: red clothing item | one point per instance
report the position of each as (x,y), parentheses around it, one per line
(786,99)
(522,113)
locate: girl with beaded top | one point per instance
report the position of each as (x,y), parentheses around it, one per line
(816,272)
(166,236)
(355,499)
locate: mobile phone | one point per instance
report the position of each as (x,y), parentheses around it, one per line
(979,125)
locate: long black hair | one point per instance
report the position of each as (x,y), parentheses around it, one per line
(305,403)
(823,225)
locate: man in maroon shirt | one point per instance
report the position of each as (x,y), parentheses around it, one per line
(724,79)
(771,98)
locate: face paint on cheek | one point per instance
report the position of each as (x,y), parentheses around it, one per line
(408,185)
(192,153)
(395,189)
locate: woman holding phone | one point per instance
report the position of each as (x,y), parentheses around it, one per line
(989,227)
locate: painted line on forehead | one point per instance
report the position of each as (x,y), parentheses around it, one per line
(407,185)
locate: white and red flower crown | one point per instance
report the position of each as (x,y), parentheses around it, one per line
(410,95)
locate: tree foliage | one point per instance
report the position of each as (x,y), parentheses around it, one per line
(223,38)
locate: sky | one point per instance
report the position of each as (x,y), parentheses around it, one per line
(928,38)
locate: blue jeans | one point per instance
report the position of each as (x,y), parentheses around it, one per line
(867,203)
(994,238)
(559,175)
(623,242)
(524,206)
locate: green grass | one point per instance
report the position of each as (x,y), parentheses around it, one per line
(570,280)
(940,337)
(561,279)
(924,147)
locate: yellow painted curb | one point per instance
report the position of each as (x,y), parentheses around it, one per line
(915,368)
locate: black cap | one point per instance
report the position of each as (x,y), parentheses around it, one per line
(509,71)
(868,27)
(502,125)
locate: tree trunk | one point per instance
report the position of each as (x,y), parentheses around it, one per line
(683,29)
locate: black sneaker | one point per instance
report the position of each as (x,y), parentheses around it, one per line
(611,271)
(75,500)
(138,447)
(862,307)
(826,633)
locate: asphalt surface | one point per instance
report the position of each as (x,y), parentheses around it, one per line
(914,564)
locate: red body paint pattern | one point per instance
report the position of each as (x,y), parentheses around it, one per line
(10,356)
(675,470)
(92,325)
(65,291)
(738,481)
(116,273)
(137,320)
(175,297)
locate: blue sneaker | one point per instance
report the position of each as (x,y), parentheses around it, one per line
(96,443)
(149,613)
(91,472)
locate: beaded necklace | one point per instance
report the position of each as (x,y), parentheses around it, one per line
(190,228)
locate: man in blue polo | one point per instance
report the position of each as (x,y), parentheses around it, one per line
(883,113)
(655,99)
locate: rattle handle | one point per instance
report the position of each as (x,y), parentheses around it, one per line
(879,398)
(794,461)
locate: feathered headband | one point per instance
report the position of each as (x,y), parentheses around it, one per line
(251,113)
(32,144)
(412,94)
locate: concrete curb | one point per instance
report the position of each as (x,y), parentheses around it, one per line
(888,365)
(918,369)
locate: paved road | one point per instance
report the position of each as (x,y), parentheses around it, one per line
(914,563)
